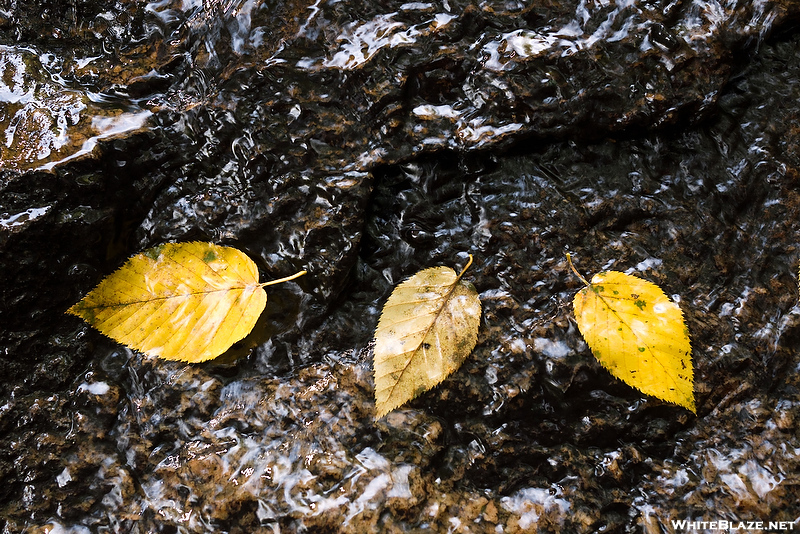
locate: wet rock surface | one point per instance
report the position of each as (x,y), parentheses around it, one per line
(364,142)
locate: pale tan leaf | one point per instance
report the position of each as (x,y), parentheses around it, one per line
(428,327)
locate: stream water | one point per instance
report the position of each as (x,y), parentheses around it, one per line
(364,141)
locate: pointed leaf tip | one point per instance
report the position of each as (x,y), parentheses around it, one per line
(638,334)
(428,327)
(178,301)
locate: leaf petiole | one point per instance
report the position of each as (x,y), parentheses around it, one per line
(285,279)
(465,268)
(574,270)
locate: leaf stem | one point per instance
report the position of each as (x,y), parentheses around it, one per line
(285,279)
(574,270)
(465,267)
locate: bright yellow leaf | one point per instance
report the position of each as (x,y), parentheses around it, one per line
(638,334)
(428,327)
(179,301)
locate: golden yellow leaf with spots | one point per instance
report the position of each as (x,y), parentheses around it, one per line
(638,334)
(428,327)
(179,301)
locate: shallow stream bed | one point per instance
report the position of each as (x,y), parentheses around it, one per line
(364,141)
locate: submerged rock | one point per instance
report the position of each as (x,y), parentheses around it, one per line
(364,142)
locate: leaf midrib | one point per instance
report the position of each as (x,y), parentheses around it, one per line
(173,296)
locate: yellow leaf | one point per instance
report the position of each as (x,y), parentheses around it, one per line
(427,329)
(179,301)
(638,334)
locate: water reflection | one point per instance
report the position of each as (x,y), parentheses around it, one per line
(46,123)
(495,85)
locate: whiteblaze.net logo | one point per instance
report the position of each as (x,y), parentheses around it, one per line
(732,526)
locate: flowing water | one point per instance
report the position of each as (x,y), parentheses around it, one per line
(364,141)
